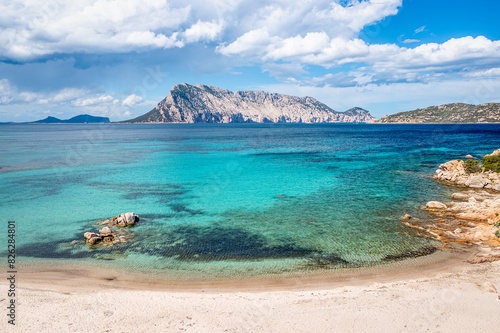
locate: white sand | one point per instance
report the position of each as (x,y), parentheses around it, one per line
(465,300)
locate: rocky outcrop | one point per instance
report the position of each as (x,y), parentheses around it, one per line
(107,235)
(473,218)
(448,113)
(207,104)
(454,172)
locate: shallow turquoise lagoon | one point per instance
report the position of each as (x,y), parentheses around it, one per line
(228,200)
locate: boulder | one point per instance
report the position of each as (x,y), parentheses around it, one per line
(89,235)
(477,181)
(460,196)
(94,240)
(128,218)
(105,231)
(435,205)
(470,156)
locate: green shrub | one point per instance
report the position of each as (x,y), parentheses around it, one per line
(497,233)
(472,166)
(491,163)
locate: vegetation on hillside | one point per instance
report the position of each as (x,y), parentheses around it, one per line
(448,113)
(488,163)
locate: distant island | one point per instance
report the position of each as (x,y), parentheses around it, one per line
(448,113)
(80,119)
(186,103)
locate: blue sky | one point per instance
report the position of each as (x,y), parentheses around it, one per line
(120,58)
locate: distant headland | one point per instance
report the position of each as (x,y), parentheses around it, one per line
(80,119)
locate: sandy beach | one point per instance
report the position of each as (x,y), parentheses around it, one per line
(422,295)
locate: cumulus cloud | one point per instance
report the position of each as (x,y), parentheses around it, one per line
(95,100)
(41,28)
(34,29)
(71,97)
(199,31)
(285,38)
(254,42)
(131,100)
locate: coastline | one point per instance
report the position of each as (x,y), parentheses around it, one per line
(82,277)
(418,296)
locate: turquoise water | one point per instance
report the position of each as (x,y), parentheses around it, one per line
(232,199)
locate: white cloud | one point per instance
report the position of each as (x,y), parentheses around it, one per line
(208,31)
(41,28)
(33,29)
(131,100)
(409,41)
(312,42)
(419,30)
(95,101)
(5,92)
(79,100)
(253,42)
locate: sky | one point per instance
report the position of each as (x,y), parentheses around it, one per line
(119,58)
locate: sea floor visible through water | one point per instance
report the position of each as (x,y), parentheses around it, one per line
(228,200)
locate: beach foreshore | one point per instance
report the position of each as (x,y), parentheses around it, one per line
(436,293)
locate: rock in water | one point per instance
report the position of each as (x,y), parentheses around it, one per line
(435,205)
(105,231)
(128,218)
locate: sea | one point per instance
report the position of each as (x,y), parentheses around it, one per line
(227,200)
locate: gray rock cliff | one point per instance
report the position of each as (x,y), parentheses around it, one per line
(206,104)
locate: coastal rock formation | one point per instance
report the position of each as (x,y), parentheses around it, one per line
(106,235)
(454,172)
(207,104)
(473,218)
(448,113)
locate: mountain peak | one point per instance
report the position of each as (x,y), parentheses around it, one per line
(186,103)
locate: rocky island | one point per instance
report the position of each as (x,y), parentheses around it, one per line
(448,113)
(473,217)
(186,103)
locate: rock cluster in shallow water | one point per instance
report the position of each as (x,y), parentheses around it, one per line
(109,236)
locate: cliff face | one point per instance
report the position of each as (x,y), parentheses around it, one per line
(206,104)
(448,113)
